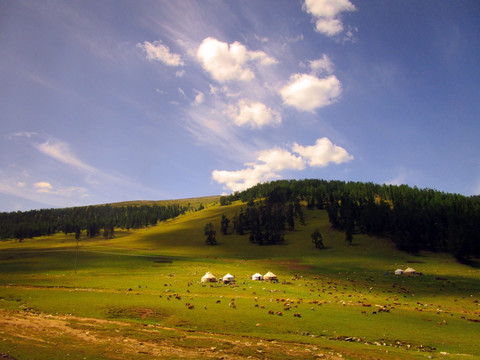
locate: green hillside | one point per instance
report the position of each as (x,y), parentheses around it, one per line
(139,296)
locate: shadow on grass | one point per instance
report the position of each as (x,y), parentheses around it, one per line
(63,259)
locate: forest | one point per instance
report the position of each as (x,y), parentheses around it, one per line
(94,220)
(414,219)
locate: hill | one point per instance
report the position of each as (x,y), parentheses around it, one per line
(139,296)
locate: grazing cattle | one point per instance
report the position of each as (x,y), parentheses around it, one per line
(190,307)
(279,313)
(270,312)
(297,315)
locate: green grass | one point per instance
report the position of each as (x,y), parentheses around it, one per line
(142,280)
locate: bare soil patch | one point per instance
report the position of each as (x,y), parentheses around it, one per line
(121,340)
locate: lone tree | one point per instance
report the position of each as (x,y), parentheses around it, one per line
(317,239)
(210,234)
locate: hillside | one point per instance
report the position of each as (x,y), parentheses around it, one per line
(139,296)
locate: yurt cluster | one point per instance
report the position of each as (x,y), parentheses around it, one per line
(229,278)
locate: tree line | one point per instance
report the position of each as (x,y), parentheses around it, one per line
(415,219)
(94,220)
(265,220)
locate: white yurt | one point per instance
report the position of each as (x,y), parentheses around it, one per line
(270,276)
(228,278)
(399,272)
(208,277)
(257,276)
(410,271)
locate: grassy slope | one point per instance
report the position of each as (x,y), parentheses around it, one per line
(131,277)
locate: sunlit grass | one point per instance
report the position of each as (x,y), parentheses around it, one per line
(148,276)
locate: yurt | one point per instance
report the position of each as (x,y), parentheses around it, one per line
(208,277)
(399,272)
(227,279)
(257,276)
(409,271)
(270,276)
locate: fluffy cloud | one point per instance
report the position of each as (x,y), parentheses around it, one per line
(227,62)
(255,114)
(280,159)
(322,153)
(270,162)
(307,92)
(326,13)
(159,52)
(322,65)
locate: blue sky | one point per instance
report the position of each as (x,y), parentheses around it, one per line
(105,101)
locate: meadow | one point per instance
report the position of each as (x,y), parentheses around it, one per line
(139,296)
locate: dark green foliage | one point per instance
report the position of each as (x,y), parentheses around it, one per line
(224,201)
(92,219)
(210,234)
(267,219)
(415,219)
(239,223)
(224,224)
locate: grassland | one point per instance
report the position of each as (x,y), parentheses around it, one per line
(139,296)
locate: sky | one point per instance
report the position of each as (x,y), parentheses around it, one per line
(115,100)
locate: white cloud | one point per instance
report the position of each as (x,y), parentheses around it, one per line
(199,98)
(263,58)
(42,187)
(270,162)
(27,134)
(255,114)
(159,52)
(179,73)
(60,151)
(307,92)
(322,153)
(227,62)
(322,65)
(280,159)
(326,13)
